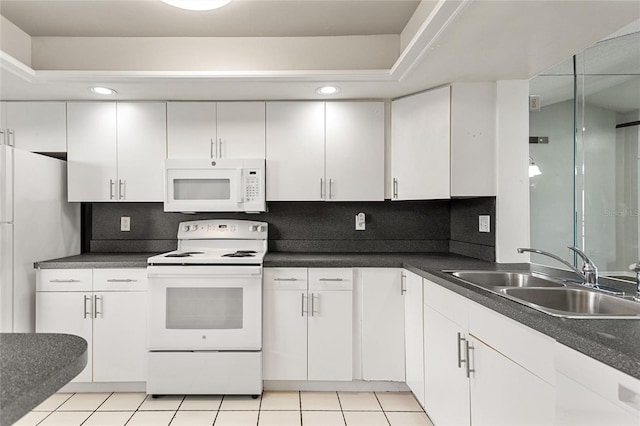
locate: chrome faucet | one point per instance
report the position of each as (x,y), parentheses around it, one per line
(635,267)
(589,272)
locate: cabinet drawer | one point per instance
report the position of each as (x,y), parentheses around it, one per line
(63,279)
(330,279)
(120,279)
(446,302)
(285,279)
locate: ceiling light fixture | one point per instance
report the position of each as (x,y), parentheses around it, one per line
(103,91)
(198,5)
(534,170)
(327,90)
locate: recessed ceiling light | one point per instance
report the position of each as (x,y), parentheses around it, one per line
(103,90)
(199,5)
(328,90)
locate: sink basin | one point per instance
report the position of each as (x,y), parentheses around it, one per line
(499,279)
(574,302)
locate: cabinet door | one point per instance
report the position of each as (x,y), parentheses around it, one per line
(382,325)
(504,393)
(330,344)
(414,335)
(67,312)
(284,335)
(92,155)
(355,151)
(38,126)
(141,150)
(446,395)
(191,130)
(119,337)
(241,129)
(420,144)
(295,151)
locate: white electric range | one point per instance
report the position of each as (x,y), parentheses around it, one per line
(205,304)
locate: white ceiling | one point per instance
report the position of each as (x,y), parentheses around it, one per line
(466,40)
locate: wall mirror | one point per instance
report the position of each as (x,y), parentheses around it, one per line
(584,127)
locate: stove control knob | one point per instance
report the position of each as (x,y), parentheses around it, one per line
(194,227)
(262,228)
(253,228)
(186,228)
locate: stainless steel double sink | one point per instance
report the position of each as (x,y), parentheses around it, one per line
(552,296)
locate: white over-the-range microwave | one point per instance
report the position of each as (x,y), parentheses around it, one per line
(214,185)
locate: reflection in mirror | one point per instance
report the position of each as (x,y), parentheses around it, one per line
(587,193)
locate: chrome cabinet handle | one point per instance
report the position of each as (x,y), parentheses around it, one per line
(403,287)
(112,187)
(395,188)
(285,279)
(460,360)
(313,304)
(116,280)
(469,348)
(122,186)
(220,142)
(95,306)
(331,279)
(211,150)
(11,134)
(85,306)
(321,188)
(330,188)
(3,138)
(64,281)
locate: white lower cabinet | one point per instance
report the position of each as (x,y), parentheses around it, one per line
(381,303)
(106,307)
(471,379)
(414,334)
(308,324)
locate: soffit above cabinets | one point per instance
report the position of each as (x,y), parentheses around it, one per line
(277,50)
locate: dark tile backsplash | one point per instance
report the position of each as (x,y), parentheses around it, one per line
(392,226)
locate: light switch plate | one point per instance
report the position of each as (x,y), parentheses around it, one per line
(484,223)
(125,223)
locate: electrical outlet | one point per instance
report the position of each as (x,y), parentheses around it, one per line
(484,223)
(125,223)
(360,222)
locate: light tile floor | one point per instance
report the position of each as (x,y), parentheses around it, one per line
(272,409)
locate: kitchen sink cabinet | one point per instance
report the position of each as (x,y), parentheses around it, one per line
(35,126)
(381,317)
(216,129)
(475,370)
(307,329)
(319,151)
(443,143)
(116,151)
(107,307)
(414,334)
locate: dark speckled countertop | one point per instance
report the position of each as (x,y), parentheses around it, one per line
(33,366)
(613,342)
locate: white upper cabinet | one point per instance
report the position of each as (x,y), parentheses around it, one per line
(36,126)
(473,139)
(320,151)
(191,130)
(92,151)
(115,151)
(241,129)
(420,146)
(355,151)
(295,151)
(443,143)
(141,150)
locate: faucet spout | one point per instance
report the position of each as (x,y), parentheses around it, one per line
(559,259)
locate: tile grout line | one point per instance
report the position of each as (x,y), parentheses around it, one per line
(383,410)
(344,419)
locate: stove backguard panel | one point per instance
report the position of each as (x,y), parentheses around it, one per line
(391,226)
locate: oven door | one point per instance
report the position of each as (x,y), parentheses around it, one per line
(205,308)
(203,189)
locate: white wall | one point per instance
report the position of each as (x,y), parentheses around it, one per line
(512,201)
(14,41)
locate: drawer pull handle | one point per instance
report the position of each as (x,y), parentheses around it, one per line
(64,281)
(85,306)
(95,306)
(303,311)
(403,287)
(468,361)
(285,279)
(116,280)
(460,360)
(331,279)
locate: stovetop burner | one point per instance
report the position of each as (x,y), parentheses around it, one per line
(241,253)
(184,254)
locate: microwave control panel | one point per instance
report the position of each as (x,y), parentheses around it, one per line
(252,186)
(253,189)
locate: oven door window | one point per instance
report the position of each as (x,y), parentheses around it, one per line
(204,308)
